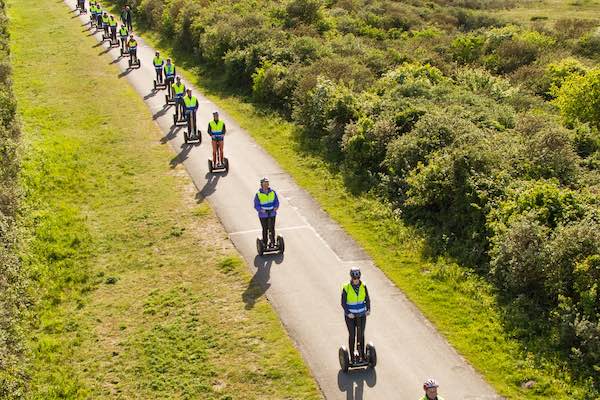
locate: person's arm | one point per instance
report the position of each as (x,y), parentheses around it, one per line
(276,202)
(257,206)
(344,302)
(209,129)
(224,129)
(367,299)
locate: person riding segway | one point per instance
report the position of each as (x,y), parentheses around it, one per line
(99,14)
(132,45)
(169,70)
(266,203)
(158,63)
(179,91)
(430,387)
(356,304)
(192,135)
(105,19)
(123,34)
(112,24)
(93,15)
(216,130)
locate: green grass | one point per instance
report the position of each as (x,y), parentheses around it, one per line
(460,304)
(549,11)
(138,292)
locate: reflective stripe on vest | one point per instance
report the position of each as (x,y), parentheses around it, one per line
(216,127)
(178,89)
(190,102)
(267,200)
(169,70)
(356,302)
(123,32)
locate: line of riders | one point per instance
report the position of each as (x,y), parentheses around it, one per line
(355,300)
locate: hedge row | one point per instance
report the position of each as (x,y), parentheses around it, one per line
(12,281)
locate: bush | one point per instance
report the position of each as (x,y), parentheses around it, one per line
(13,291)
(467,48)
(589,45)
(272,85)
(556,73)
(578,98)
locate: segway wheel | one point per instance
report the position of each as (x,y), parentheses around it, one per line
(186,137)
(280,244)
(344,359)
(154,85)
(166,99)
(226,164)
(199,136)
(130,63)
(371,355)
(260,247)
(210,166)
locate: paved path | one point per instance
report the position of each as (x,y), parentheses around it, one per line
(304,284)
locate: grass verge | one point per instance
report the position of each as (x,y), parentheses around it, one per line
(138,292)
(460,304)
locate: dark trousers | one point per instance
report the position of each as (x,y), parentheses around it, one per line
(268,229)
(159,78)
(113,33)
(356,334)
(179,108)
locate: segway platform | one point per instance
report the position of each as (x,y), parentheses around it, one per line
(158,85)
(114,43)
(134,64)
(218,167)
(179,122)
(193,138)
(370,358)
(124,53)
(169,100)
(278,248)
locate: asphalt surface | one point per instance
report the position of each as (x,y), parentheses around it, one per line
(304,284)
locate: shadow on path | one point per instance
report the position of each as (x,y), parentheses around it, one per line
(353,382)
(259,283)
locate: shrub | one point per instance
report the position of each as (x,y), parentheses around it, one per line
(551,155)
(556,73)
(272,85)
(467,48)
(589,45)
(303,11)
(578,98)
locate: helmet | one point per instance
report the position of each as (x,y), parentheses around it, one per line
(355,272)
(430,383)
(264,179)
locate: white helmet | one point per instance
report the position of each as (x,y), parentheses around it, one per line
(264,179)
(430,383)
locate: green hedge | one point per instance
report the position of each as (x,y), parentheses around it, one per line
(12,281)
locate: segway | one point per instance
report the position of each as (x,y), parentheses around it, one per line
(134,63)
(262,248)
(169,97)
(179,118)
(158,85)
(124,53)
(114,42)
(218,167)
(105,36)
(370,358)
(193,134)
